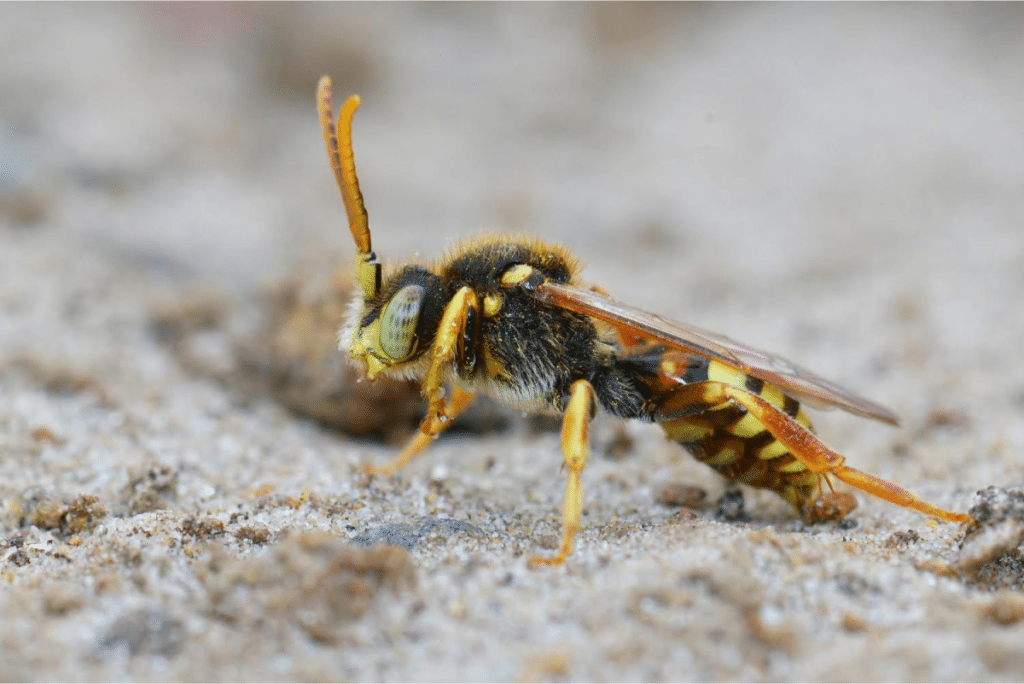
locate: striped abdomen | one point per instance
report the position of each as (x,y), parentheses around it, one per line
(726,436)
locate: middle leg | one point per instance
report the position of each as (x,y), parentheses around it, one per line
(459,402)
(575,428)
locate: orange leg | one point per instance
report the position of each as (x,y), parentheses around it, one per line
(810,451)
(575,429)
(460,400)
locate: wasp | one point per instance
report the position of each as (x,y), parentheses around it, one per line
(508,317)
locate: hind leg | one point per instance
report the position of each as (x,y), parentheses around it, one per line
(818,458)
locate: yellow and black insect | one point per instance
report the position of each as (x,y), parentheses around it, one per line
(507,317)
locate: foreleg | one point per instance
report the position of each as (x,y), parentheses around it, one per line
(443,353)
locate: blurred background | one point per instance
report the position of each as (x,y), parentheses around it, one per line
(764,171)
(843,184)
(663,136)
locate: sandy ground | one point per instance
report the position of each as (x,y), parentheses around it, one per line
(843,185)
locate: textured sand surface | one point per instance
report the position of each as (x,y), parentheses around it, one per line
(841,184)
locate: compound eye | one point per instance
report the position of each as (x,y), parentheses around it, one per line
(398,322)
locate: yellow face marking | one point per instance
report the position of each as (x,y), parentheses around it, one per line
(492,304)
(361,348)
(516,275)
(374,367)
(772,450)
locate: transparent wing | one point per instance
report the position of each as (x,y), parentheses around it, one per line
(636,324)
